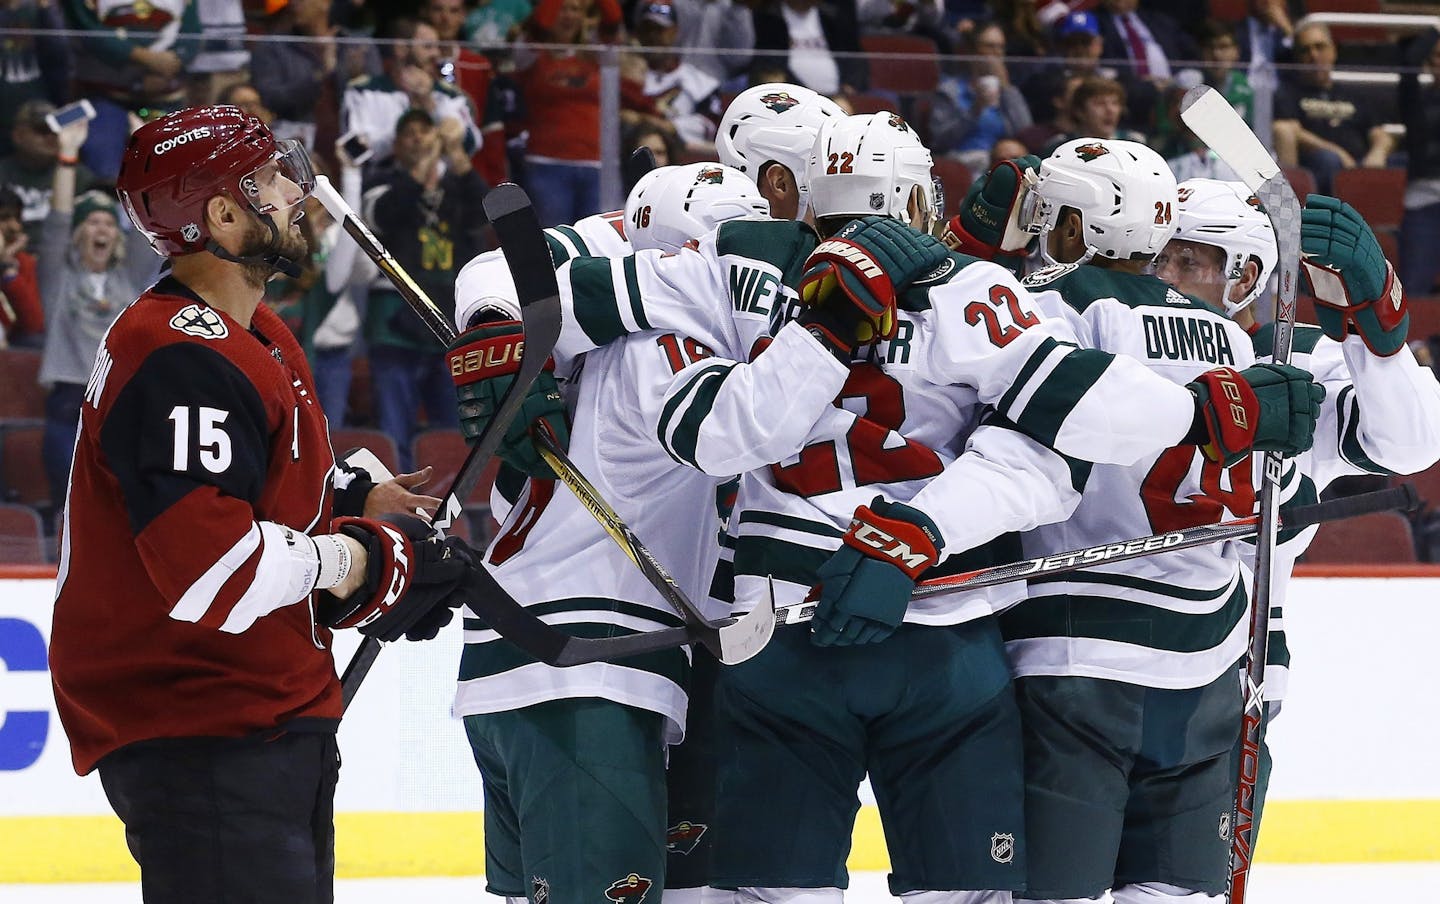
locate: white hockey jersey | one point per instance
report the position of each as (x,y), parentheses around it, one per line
(968,335)
(1379,416)
(1172,620)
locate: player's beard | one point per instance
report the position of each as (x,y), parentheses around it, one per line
(289,243)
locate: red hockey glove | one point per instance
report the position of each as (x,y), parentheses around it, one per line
(483,362)
(865,585)
(413,580)
(1265,408)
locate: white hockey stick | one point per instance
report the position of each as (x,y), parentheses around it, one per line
(1208,115)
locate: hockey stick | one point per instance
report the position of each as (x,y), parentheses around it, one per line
(1217,124)
(731,641)
(1402,498)
(511,215)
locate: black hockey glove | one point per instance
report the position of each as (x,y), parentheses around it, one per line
(413,580)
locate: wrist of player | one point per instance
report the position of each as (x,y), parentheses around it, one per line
(1265,408)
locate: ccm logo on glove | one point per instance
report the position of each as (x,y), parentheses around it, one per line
(399,577)
(891,546)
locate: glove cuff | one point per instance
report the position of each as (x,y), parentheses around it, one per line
(492,350)
(1229,410)
(897,534)
(389,561)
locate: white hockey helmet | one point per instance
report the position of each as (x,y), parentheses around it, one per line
(1124,191)
(868,164)
(777,123)
(1228,216)
(686,202)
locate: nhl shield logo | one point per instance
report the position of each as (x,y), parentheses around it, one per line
(1225,826)
(629,890)
(779,101)
(682,837)
(539,890)
(877,200)
(203,323)
(190,232)
(1002,847)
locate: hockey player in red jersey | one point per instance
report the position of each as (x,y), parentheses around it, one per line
(200,568)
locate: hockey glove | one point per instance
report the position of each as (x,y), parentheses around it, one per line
(1265,408)
(483,362)
(865,585)
(988,225)
(1355,288)
(851,280)
(413,580)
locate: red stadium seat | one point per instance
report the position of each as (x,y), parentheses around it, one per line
(1229,10)
(1380,538)
(874,103)
(1301,180)
(956,177)
(22,465)
(1378,194)
(445,451)
(903,63)
(22,536)
(378,442)
(20,392)
(1424,319)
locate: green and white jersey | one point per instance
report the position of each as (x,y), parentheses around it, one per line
(968,337)
(552,556)
(1379,416)
(486,277)
(1174,620)
(372,104)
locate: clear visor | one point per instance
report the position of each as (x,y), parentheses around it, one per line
(283,181)
(1034,209)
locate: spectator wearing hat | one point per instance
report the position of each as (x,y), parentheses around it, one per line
(1047,89)
(89,271)
(30,168)
(812,33)
(22,318)
(686,95)
(295,79)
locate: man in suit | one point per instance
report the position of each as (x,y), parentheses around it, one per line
(1149,39)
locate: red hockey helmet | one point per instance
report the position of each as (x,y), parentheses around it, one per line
(177,163)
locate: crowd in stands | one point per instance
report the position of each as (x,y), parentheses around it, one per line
(414,109)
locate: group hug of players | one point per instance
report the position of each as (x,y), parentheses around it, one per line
(896,407)
(790,376)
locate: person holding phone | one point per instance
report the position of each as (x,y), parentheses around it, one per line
(30,169)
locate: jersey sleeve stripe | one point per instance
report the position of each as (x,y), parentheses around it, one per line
(1046,356)
(570,240)
(272,587)
(632,291)
(1060,388)
(1351,449)
(200,596)
(591,278)
(686,410)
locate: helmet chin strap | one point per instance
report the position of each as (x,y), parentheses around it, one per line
(274,260)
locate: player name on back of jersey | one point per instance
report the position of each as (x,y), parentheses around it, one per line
(1182,336)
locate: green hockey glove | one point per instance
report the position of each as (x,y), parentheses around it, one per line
(483,362)
(1265,408)
(865,585)
(854,277)
(1355,288)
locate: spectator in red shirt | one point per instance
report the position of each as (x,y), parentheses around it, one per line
(22,316)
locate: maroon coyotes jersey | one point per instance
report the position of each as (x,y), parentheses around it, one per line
(170,619)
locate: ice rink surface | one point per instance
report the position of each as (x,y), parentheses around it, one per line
(1342,884)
